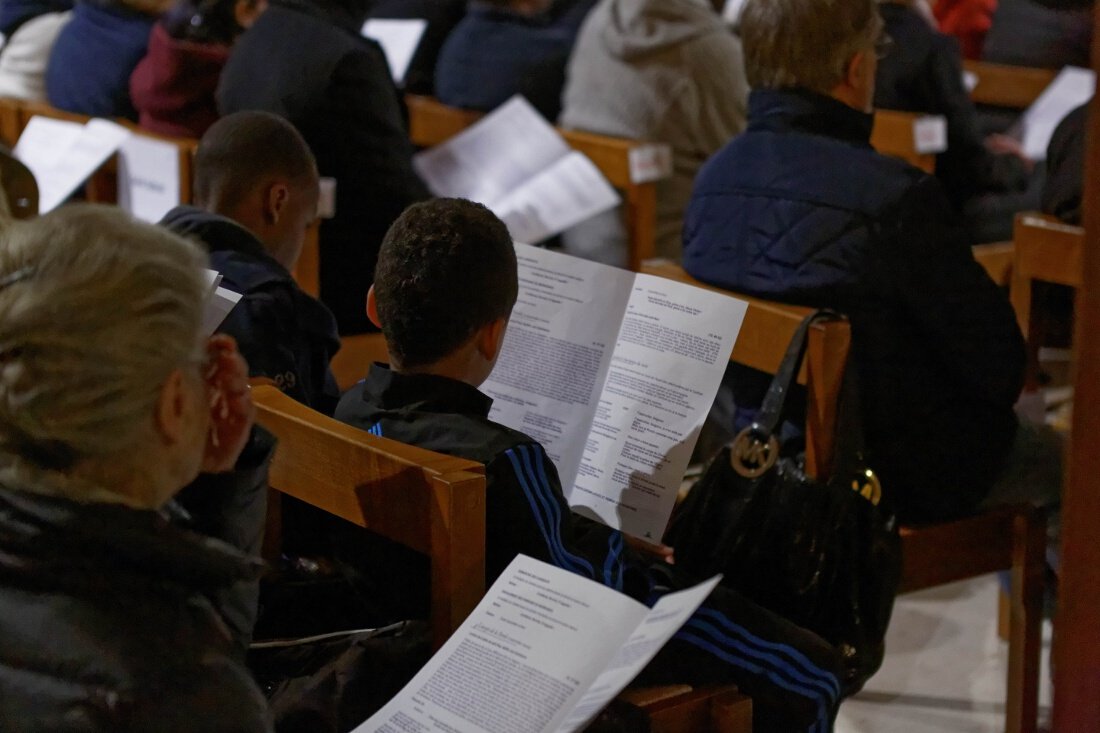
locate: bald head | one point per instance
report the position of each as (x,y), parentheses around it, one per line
(255,168)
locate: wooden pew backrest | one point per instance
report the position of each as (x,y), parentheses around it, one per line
(894,134)
(762,343)
(1000,85)
(432,503)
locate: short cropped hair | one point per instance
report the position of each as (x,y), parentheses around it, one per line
(242,150)
(446,268)
(96,311)
(804,43)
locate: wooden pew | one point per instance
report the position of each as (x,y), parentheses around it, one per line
(996,258)
(1012,538)
(894,134)
(1046,250)
(1000,85)
(432,123)
(19,187)
(435,504)
(102,187)
(432,503)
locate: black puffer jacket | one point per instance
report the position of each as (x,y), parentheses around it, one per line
(106,623)
(800,209)
(305,61)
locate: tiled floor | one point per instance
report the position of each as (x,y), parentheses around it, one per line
(944,668)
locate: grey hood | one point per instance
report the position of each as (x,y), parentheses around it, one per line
(638,28)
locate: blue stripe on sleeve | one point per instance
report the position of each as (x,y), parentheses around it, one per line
(546,494)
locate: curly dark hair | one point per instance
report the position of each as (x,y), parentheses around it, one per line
(446,268)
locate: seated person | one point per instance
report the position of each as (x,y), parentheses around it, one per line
(94,55)
(801,209)
(304,60)
(173,87)
(30,28)
(921,71)
(508,47)
(255,195)
(1024,33)
(442,17)
(1065,171)
(111,400)
(669,71)
(443,292)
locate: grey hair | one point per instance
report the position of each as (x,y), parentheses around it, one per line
(804,43)
(96,312)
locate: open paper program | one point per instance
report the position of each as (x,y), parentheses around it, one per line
(613,373)
(543,652)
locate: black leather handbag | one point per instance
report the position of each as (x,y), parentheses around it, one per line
(822,554)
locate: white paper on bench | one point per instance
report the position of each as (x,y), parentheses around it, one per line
(1070,89)
(148,177)
(544,651)
(517,164)
(399,40)
(62,155)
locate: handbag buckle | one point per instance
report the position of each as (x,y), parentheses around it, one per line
(868,486)
(753,451)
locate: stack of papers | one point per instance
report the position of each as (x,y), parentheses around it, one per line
(514,162)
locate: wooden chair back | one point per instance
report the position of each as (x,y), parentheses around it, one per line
(19,187)
(432,503)
(1045,250)
(1001,85)
(432,123)
(767,330)
(102,187)
(894,134)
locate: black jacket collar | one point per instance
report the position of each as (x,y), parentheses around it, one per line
(392,391)
(799,110)
(217,232)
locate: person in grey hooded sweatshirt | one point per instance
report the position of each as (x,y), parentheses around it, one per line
(667,71)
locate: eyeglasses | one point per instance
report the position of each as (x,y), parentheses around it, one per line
(884,44)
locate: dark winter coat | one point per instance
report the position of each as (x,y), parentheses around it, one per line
(307,63)
(108,624)
(93,58)
(282,332)
(801,209)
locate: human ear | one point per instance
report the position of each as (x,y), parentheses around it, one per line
(170,412)
(372,308)
(275,201)
(490,338)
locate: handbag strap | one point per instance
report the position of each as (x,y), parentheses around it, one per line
(775,401)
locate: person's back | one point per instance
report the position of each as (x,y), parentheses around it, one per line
(173,87)
(503,48)
(95,53)
(256,192)
(667,71)
(1025,33)
(922,72)
(446,283)
(306,62)
(800,209)
(30,28)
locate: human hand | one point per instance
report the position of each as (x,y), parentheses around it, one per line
(657,551)
(1005,145)
(231,410)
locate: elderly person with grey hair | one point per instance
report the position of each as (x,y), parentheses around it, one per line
(802,210)
(111,401)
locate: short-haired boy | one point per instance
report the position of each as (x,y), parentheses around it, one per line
(444,288)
